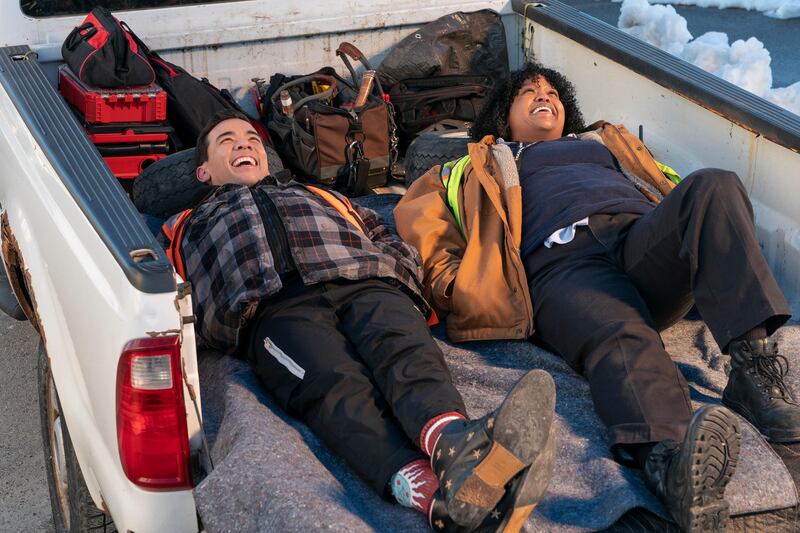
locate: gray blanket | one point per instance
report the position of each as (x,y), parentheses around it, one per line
(273,474)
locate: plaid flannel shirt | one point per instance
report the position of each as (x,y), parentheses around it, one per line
(230,265)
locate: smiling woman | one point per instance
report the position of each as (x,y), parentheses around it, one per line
(527,83)
(537,113)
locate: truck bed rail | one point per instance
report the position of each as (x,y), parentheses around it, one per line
(83,172)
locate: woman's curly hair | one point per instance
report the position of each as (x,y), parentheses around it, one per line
(493,118)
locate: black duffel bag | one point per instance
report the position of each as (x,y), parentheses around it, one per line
(103,54)
(421,102)
(444,70)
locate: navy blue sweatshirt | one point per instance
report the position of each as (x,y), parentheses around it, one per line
(566,180)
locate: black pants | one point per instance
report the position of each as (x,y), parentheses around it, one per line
(356,362)
(600,300)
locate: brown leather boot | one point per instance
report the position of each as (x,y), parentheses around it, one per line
(476,459)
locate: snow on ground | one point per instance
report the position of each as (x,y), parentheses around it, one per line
(743,63)
(781,9)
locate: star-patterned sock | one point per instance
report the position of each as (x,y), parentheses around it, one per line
(433,428)
(414,485)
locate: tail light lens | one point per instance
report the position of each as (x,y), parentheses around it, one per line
(151,416)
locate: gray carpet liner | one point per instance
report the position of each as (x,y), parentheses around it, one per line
(273,474)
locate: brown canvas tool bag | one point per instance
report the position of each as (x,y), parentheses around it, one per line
(323,136)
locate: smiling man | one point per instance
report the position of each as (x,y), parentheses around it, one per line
(326,305)
(544,223)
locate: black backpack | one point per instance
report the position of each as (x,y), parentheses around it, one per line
(103,54)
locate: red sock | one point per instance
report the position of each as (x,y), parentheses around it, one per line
(414,485)
(433,428)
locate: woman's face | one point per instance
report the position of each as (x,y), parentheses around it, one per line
(536,113)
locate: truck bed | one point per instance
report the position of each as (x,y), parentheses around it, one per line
(273,474)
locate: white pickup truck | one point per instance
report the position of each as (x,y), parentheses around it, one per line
(118,364)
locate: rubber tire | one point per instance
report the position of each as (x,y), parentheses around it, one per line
(169,185)
(84,516)
(431,149)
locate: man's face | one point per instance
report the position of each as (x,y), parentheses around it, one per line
(536,113)
(235,155)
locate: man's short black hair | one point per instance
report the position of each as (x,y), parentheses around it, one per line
(493,118)
(201,155)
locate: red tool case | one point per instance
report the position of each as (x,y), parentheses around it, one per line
(134,104)
(128,148)
(127,167)
(130,134)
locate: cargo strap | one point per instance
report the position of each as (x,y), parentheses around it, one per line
(452,175)
(175,232)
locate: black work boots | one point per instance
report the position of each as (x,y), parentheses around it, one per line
(497,468)
(690,477)
(757,391)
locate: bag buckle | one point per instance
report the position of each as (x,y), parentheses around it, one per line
(358,169)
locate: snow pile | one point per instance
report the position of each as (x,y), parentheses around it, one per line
(743,63)
(780,9)
(658,25)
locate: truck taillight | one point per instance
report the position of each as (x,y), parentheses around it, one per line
(151,417)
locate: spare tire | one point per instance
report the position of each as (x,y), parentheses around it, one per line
(169,185)
(431,149)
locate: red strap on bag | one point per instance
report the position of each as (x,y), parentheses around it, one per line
(175,234)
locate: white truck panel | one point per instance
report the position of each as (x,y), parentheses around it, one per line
(240,23)
(88,311)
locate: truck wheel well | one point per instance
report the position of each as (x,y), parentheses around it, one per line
(17,275)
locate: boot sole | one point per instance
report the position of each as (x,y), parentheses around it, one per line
(714,437)
(521,431)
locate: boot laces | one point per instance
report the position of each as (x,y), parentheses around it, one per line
(771,369)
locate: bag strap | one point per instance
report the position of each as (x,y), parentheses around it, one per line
(327,93)
(342,205)
(175,234)
(346,49)
(75,36)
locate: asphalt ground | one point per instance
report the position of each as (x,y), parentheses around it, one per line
(24,499)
